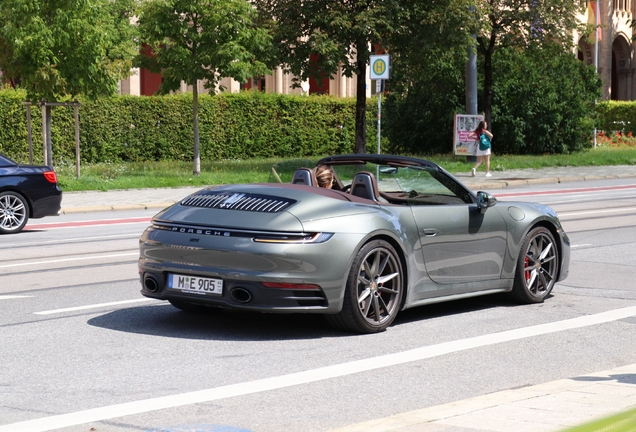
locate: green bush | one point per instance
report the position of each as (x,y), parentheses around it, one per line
(617,116)
(543,101)
(418,115)
(232,126)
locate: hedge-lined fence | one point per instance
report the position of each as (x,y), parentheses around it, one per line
(232,126)
(617,116)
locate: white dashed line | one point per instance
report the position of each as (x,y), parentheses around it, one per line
(93,306)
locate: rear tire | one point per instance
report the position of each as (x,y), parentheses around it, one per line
(14,212)
(374,290)
(537,267)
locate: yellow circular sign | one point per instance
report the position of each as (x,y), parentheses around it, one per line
(379,67)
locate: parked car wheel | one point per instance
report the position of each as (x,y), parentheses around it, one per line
(374,290)
(14,212)
(537,267)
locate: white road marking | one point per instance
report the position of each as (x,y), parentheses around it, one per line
(616,210)
(581,245)
(7,297)
(310,376)
(93,306)
(34,263)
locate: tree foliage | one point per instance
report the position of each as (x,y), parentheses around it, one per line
(192,40)
(315,38)
(427,86)
(544,100)
(419,111)
(54,48)
(520,24)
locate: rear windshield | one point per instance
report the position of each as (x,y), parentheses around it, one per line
(6,162)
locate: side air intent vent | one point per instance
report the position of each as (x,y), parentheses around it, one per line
(238,201)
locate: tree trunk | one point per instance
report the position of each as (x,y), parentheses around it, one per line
(195,110)
(361,101)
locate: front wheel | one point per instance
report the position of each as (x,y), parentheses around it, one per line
(374,290)
(14,212)
(537,267)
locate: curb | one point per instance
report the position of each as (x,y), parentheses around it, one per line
(579,397)
(115,207)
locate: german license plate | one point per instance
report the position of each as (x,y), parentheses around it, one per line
(195,284)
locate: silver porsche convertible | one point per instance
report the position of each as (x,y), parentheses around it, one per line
(390,234)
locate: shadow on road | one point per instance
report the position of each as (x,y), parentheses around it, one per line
(166,321)
(621,378)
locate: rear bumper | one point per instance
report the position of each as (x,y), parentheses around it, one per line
(240,295)
(47,204)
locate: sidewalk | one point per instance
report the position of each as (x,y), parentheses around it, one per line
(135,199)
(548,407)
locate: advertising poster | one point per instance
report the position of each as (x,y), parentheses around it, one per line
(464,142)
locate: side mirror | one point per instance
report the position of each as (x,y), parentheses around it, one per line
(485,200)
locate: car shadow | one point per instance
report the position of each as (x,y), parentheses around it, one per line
(222,325)
(620,378)
(166,321)
(456,307)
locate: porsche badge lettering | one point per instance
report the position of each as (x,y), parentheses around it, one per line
(201,231)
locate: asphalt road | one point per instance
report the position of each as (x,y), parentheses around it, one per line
(79,342)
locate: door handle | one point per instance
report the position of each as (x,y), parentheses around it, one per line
(430,232)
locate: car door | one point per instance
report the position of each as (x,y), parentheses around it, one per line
(460,244)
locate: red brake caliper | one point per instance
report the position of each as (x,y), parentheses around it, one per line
(526,262)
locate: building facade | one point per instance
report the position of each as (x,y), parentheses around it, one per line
(146,83)
(611,47)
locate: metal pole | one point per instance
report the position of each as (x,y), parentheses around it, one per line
(49,142)
(596,30)
(29,132)
(77,142)
(471,83)
(378,90)
(44,143)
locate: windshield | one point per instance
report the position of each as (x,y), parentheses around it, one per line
(398,184)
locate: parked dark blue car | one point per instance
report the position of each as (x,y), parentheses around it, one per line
(26,191)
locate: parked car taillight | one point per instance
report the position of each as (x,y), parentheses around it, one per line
(50,176)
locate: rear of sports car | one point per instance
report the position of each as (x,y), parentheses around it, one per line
(244,247)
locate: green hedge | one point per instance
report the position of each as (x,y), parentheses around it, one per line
(617,116)
(232,126)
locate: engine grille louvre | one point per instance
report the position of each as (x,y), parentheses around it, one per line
(238,201)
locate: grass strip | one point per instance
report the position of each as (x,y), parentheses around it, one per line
(138,175)
(623,422)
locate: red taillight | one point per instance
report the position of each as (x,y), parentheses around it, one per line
(292,286)
(50,176)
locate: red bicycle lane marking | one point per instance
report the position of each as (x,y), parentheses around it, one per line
(55,225)
(567,191)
